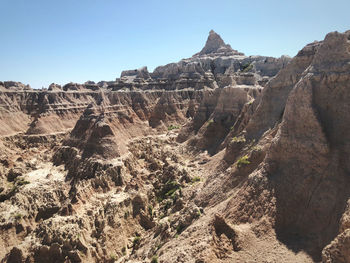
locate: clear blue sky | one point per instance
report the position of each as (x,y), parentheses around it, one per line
(45,41)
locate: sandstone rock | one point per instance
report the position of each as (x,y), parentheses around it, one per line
(248,172)
(12,85)
(93,136)
(215,44)
(54,87)
(137,73)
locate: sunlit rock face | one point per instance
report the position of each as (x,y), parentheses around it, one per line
(220,157)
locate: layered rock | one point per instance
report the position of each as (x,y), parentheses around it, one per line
(286,156)
(216,116)
(313,139)
(215,44)
(93,136)
(227,162)
(130,75)
(13,86)
(217,65)
(42,112)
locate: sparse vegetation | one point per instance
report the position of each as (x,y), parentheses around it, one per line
(195,179)
(257,148)
(171,192)
(162,215)
(168,204)
(159,246)
(173,127)
(154,259)
(238,139)
(179,229)
(14,188)
(18,217)
(21,181)
(247,67)
(211,121)
(136,240)
(198,213)
(250,102)
(150,211)
(168,191)
(124,251)
(244,160)
(113,257)
(126,214)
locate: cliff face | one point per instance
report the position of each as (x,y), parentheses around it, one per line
(42,112)
(294,147)
(313,139)
(217,158)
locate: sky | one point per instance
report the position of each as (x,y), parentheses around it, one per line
(61,41)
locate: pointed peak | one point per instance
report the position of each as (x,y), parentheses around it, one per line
(215,44)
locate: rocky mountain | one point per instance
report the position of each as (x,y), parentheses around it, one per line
(220,157)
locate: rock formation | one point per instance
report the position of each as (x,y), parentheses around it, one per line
(215,44)
(216,158)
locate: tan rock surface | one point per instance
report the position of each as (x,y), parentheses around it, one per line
(202,160)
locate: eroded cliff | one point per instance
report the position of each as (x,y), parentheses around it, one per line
(217,158)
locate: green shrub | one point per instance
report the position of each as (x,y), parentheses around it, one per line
(251,101)
(170,187)
(18,216)
(126,214)
(154,259)
(173,127)
(238,139)
(168,204)
(243,161)
(211,121)
(195,179)
(150,211)
(113,257)
(168,191)
(159,246)
(171,192)
(21,181)
(159,198)
(247,67)
(180,228)
(198,214)
(136,240)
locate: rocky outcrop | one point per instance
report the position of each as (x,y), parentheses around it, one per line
(223,69)
(141,73)
(215,44)
(93,135)
(275,94)
(54,87)
(312,138)
(216,116)
(42,112)
(217,65)
(13,86)
(300,125)
(284,159)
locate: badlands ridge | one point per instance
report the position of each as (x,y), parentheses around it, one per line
(220,157)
